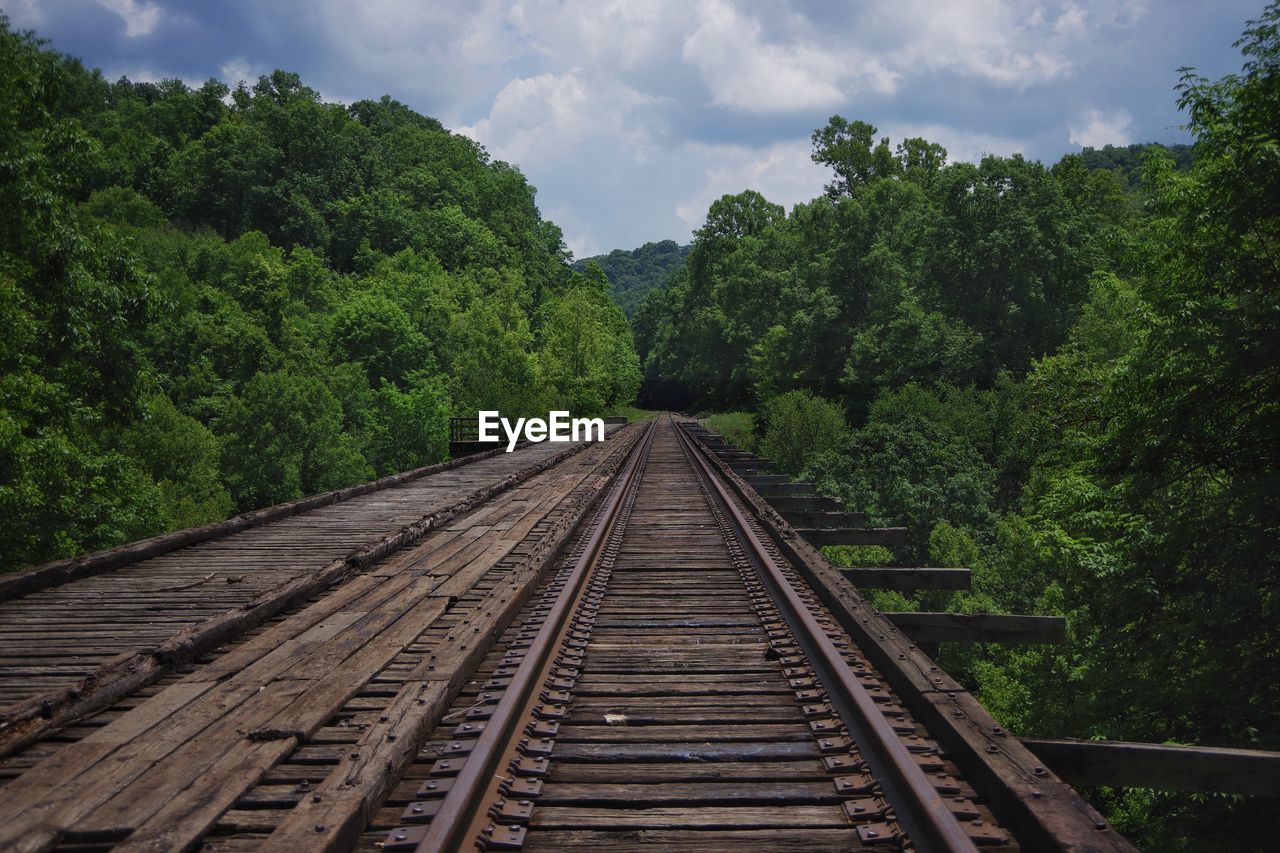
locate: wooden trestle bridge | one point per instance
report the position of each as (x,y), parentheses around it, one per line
(606,646)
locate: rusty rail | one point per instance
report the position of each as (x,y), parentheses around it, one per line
(463,815)
(920,808)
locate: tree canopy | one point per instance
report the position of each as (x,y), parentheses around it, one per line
(212,300)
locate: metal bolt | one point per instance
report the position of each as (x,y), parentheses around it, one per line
(316,798)
(319,827)
(1100,825)
(1039,771)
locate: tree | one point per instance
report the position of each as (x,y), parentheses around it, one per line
(851,150)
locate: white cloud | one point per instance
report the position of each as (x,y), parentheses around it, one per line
(783,173)
(551,117)
(746,72)
(1007,43)
(962,145)
(1071,22)
(238,71)
(615,34)
(1094,129)
(632,117)
(24,14)
(140,17)
(449,53)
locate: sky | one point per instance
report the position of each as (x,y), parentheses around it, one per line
(630,118)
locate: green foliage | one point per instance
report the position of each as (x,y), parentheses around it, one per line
(796,426)
(208,307)
(851,150)
(408,428)
(1127,160)
(284,439)
(914,461)
(632,274)
(181,456)
(738,428)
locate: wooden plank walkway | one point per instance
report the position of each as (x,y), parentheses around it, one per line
(71,648)
(208,738)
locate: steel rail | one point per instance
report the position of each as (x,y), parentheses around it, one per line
(463,817)
(918,806)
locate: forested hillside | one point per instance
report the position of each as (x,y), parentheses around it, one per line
(214,300)
(632,274)
(1129,159)
(1068,384)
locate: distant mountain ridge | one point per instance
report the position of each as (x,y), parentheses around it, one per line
(632,274)
(1129,158)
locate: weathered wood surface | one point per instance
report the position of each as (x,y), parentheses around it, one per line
(1163,767)
(822,520)
(783,490)
(885,577)
(58,572)
(885,536)
(804,503)
(100,637)
(207,738)
(980,627)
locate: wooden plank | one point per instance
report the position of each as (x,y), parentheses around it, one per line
(61,571)
(26,722)
(681,752)
(787,490)
(704,771)
(689,793)
(1163,767)
(184,818)
(823,520)
(980,627)
(786,503)
(886,536)
(350,795)
(883,577)
(671,817)
(697,841)
(759,464)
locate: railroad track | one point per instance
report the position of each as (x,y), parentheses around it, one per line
(627,649)
(678,685)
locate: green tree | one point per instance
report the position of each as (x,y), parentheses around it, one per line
(283,438)
(796,426)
